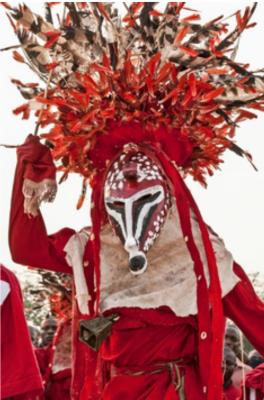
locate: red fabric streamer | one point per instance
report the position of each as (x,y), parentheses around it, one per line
(210,333)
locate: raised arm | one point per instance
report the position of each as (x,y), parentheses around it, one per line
(28,239)
(243,306)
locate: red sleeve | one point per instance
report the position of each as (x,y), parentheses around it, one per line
(243,306)
(28,239)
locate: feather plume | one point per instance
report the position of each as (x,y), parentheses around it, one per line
(149,67)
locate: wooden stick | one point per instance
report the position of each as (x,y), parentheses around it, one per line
(9,146)
(16,46)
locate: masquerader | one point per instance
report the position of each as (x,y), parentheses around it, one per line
(134,106)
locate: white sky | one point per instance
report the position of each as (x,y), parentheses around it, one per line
(233,203)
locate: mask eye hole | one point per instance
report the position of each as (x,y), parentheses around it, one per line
(147,198)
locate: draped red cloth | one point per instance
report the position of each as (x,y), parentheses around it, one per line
(20,375)
(142,338)
(213,328)
(255,380)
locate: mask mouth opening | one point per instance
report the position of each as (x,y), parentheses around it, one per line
(138,263)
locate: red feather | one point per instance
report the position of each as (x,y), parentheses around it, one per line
(52,38)
(189,51)
(239,21)
(181,35)
(18,57)
(24,109)
(51,66)
(164,72)
(102,10)
(192,85)
(212,94)
(191,18)
(136,6)
(218,71)
(244,115)
(178,6)
(252,25)
(173,93)
(152,63)
(81,5)
(156,13)
(28,85)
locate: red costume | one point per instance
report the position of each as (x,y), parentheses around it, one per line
(144,342)
(20,376)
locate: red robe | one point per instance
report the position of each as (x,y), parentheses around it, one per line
(20,376)
(133,363)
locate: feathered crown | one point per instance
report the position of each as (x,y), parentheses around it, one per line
(153,68)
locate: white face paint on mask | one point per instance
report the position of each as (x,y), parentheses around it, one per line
(137,199)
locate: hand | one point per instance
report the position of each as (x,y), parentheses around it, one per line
(36,192)
(39,174)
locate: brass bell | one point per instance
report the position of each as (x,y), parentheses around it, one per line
(94,331)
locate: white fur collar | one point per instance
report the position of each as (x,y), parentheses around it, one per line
(169,279)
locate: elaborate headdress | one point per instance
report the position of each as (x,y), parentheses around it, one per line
(157,78)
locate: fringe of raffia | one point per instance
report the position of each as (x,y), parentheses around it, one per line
(37,192)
